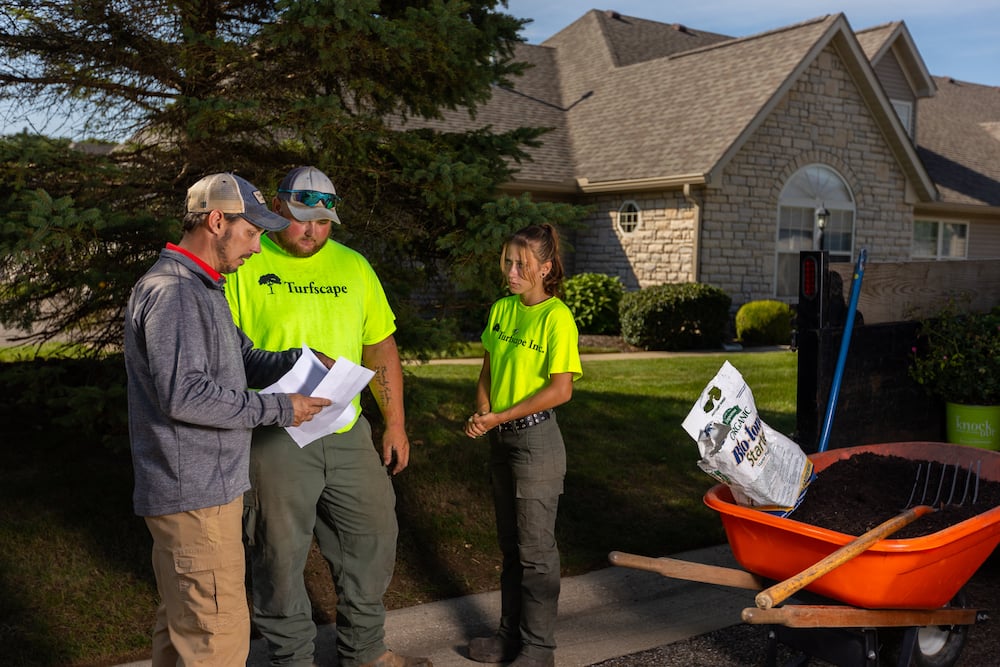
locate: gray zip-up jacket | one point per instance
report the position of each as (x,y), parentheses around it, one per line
(190,412)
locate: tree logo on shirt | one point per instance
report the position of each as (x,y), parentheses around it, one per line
(270,280)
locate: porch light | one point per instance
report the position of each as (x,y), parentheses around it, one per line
(822,217)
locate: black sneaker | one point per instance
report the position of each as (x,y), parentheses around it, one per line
(525,661)
(493,649)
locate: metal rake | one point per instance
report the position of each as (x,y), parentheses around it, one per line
(931,482)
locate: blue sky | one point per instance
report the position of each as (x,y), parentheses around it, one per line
(956,38)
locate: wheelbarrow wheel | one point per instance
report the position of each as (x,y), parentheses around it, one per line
(937,645)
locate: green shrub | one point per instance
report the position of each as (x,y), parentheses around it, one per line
(593,299)
(680,316)
(957,355)
(764,322)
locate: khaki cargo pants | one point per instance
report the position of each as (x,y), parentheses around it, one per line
(198,559)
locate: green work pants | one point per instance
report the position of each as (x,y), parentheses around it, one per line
(337,489)
(527,468)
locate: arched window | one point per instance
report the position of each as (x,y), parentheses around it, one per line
(810,191)
(629,217)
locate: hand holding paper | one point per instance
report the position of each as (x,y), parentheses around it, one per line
(340,384)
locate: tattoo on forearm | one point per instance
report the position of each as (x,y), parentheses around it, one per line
(381,381)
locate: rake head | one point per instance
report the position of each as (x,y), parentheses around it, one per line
(939,485)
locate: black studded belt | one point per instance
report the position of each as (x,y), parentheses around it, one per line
(525,422)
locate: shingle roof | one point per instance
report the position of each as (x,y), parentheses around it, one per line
(674,111)
(958,137)
(633,40)
(542,77)
(874,39)
(646,102)
(678,115)
(535,103)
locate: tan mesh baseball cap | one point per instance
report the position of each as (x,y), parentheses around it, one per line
(231,194)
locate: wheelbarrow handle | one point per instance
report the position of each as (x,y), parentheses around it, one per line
(688,570)
(782,590)
(840,616)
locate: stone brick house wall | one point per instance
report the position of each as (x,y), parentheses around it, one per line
(822,119)
(659,251)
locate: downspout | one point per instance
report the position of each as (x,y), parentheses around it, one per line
(696,202)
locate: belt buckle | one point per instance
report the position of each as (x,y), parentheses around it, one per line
(521,423)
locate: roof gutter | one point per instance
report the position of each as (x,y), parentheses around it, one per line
(553,187)
(952,209)
(639,184)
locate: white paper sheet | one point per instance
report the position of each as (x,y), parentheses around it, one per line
(340,384)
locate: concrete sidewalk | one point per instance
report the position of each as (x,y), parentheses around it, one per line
(604,614)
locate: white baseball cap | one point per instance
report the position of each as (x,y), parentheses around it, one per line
(310,195)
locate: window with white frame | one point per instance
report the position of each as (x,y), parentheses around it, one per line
(934,239)
(811,190)
(629,217)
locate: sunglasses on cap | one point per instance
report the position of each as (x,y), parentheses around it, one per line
(311,197)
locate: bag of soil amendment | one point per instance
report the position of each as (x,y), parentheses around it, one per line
(764,469)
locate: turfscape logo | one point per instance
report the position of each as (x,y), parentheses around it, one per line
(269,280)
(515,340)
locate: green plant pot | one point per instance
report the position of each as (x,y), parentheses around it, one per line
(975,425)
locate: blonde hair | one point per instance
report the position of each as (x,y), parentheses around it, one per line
(543,243)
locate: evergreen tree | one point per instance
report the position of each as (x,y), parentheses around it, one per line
(256,87)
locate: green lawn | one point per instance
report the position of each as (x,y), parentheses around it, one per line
(75,582)
(632,485)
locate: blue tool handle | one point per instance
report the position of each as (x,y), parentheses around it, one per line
(838,375)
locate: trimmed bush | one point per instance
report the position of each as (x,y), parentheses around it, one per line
(683,316)
(593,299)
(765,322)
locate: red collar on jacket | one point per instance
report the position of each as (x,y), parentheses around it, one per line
(215,275)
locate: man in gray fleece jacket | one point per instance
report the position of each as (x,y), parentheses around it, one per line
(191,417)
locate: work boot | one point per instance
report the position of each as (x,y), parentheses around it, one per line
(493,649)
(525,661)
(390,659)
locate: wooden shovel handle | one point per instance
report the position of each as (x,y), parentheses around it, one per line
(782,590)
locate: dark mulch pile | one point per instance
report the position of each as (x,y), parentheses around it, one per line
(856,494)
